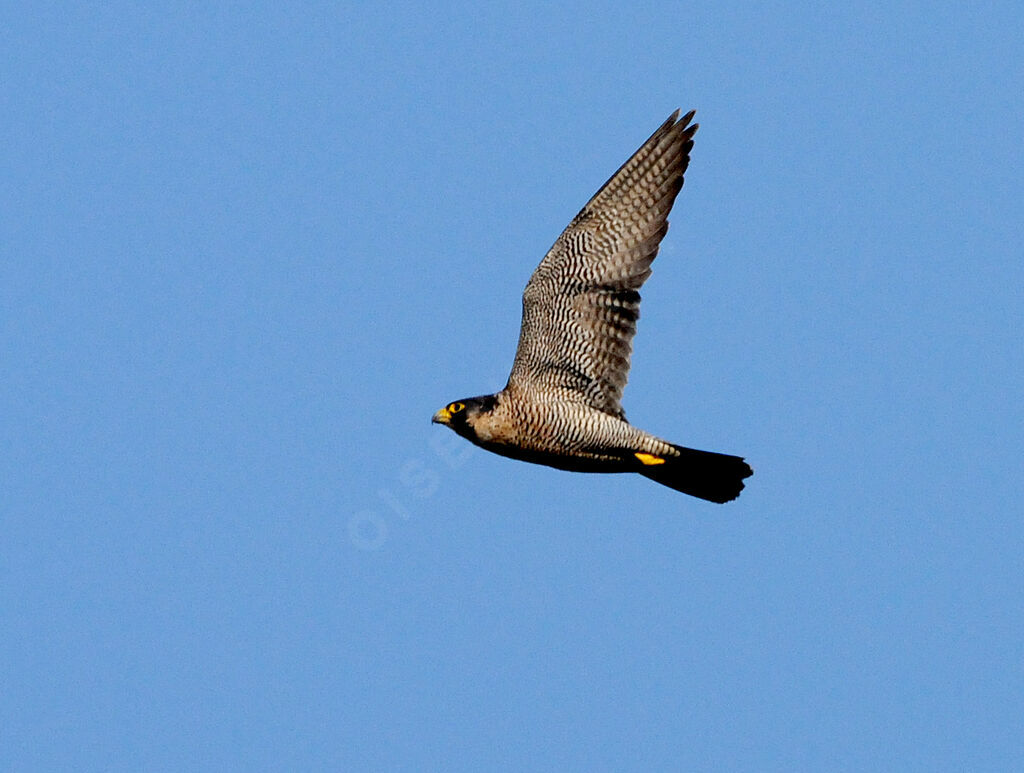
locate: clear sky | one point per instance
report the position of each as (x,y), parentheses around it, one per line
(246,252)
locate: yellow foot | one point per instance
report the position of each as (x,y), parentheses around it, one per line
(649,458)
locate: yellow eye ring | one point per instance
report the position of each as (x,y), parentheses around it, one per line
(456,407)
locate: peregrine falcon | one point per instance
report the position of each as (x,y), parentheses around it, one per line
(561,405)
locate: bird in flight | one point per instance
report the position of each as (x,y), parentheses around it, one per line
(561,405)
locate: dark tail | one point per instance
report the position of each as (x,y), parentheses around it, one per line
(704,474)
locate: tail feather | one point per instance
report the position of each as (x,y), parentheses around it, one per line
(703,474)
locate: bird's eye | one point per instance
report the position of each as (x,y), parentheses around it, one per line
(456,407)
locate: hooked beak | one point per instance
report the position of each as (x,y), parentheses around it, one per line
(443,416)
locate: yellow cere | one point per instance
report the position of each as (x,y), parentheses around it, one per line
(649,458)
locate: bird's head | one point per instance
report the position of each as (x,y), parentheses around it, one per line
(462,415)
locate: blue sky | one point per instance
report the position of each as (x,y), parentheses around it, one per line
(247,251)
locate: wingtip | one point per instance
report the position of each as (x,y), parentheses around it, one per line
(683,124)
(685,120)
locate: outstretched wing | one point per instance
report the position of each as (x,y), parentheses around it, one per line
(581,305)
